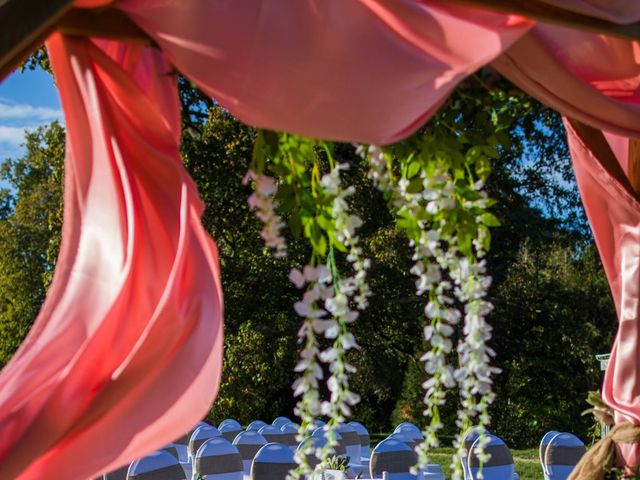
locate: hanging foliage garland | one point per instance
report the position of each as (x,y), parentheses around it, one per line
(435,186)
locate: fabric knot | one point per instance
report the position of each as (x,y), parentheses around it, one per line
(600,458)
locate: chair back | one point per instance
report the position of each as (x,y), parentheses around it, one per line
(351,442)
(470,437)
(230,421)
(156,465)
(339,450)
(319,423)
(201,435)
(365,440)
(288,436)
(229,431)
(119,474)
(395,458)
(272,462)
(542,450)
(217,459)
(280,421)
(410,431)
(404,438)
(317,442)
(172,449)
(499,467)
(562,454)
(271,433)
(248,443)
(256,425)
(182,446)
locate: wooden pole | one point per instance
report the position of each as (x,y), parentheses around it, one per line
(597,143)
(633,170)
(541,10)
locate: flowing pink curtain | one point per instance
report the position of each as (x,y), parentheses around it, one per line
(614,213)
(361,70)
(126,353)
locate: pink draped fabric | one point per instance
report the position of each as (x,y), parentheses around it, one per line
(361,70)
(126,353)
(593,78)
(127,350)
(614,215)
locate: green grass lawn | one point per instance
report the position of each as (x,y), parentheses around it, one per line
(527,462)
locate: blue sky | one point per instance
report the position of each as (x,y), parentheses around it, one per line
(27,100)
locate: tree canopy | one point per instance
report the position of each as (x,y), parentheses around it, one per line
(553,310)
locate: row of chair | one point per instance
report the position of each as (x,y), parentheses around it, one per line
(266,451)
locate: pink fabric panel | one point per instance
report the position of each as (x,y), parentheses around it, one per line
(592,78)
(614,215)
(358,70)
(616,11)
(127,350)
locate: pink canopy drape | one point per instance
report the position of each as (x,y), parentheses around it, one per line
(126,353)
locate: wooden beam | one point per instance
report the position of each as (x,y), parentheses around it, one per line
(25,25)
(540,10)
(102,23)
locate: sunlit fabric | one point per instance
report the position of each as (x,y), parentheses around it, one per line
(126,353)
(614,214)
(593,78)
(127,350)
(366,70)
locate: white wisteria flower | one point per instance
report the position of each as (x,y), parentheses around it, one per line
(262,201)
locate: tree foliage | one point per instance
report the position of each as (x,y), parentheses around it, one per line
(30,225)
(553,308)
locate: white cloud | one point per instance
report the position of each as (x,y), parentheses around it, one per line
(13,136)
(14,112)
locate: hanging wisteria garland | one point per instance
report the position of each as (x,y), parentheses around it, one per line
(435,186)
(436,194)
(311,194)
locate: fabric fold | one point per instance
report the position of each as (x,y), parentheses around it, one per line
(127,350)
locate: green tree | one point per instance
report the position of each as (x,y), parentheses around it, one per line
(30,225)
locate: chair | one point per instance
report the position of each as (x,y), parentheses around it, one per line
(271,433)
(544,443)
(156,465)
(217,459)
(499,467)
(470,437)
(317,442)
(289,436)
(248,443)
(340,450)
(351,442)
(201,435)
(404,438)
(230,421)
(119,474)
(256,425)
(280,421)
(172,449)
(230,430)
(410,431)
(182,446)
(563,452)
(319,423)
(365,441)
(272,462)
(394,457)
